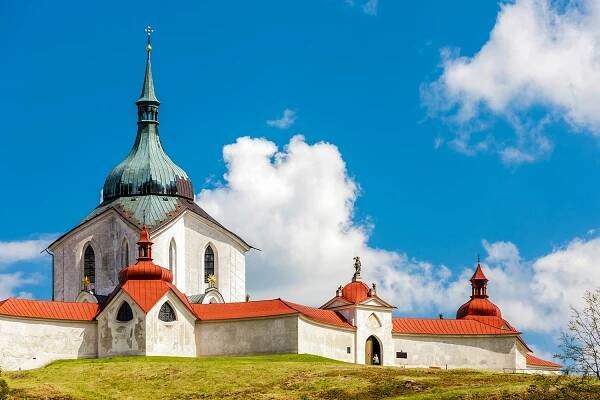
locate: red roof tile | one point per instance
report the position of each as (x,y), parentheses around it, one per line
(478,306)
(534,361)
(249,309)
(147,293)
(355,292)
(49,309)
(446,327)
(478,275)
(266,308)
(319,315)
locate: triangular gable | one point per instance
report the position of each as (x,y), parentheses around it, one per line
(337,301)
(375,300)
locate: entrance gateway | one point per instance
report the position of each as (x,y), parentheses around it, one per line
(373,348)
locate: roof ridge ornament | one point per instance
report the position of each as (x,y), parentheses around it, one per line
(357,268)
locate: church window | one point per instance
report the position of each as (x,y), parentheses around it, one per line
(173,257)
(89,264)
(348,350)
(166,313)
(125,313)
(209,263)
(124,253)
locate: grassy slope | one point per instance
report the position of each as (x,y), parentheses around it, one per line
(261,377)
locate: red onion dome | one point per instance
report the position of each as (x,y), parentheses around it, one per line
(355,292)
(480,307)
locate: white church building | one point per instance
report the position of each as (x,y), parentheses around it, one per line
(149,272)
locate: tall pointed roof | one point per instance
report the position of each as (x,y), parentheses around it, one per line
(478,275)
(147,170)
(148,94)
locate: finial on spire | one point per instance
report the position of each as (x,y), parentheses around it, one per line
(149,30)
(478,259)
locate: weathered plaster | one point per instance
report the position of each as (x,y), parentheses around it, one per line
(27,343)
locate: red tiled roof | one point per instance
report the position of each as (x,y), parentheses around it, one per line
(355,292)
(266,308)
(146,293)
(249,309)
(534,361)
(478,306)
(446,327)
(478,275)
(145,270)
(49,309)
(319,315)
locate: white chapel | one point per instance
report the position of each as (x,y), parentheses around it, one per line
(149,272)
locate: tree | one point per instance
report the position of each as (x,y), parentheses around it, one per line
(580,343)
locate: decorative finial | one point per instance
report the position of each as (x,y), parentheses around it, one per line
(212,281)
(477,259)
(86,283)
(357,267)
(149,30)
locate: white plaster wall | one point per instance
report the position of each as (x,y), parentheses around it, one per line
(176,338)
(249,336)
(479,352)
(106,234)
(230,262)
(121,338)
(325,341)
(160,250)
(520,356)
(32,343)
(382,332)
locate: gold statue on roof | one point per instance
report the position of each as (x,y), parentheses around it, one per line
(212,281)
(86,283)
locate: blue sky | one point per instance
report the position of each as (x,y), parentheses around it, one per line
(358,80)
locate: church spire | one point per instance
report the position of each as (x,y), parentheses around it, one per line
(148,103)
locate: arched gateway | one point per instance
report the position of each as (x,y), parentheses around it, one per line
(372,349)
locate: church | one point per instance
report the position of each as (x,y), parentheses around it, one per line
(149,272)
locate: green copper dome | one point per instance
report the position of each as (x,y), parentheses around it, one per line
(147,170)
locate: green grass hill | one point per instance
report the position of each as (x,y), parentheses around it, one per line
(299,377)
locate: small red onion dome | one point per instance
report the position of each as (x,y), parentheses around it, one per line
(355,292)
(144,268)
(479,305)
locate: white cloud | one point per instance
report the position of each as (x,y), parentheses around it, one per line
(297,205)
(287,120)
(370,7)
(24,250)
(10,282)
(541,55)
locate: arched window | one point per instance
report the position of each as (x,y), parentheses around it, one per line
(124,253)
(172,256)
(89,264)
(209,263)
(125,313)
(166,313)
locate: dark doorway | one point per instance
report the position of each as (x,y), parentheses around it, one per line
(373,351)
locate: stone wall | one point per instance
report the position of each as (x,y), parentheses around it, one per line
(176,338)
(479,352)
(27,343)
(191,235)
(325,341)
(248,336)
(105,234)
(121,338)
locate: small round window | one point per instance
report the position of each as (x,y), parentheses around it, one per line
(166,313)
